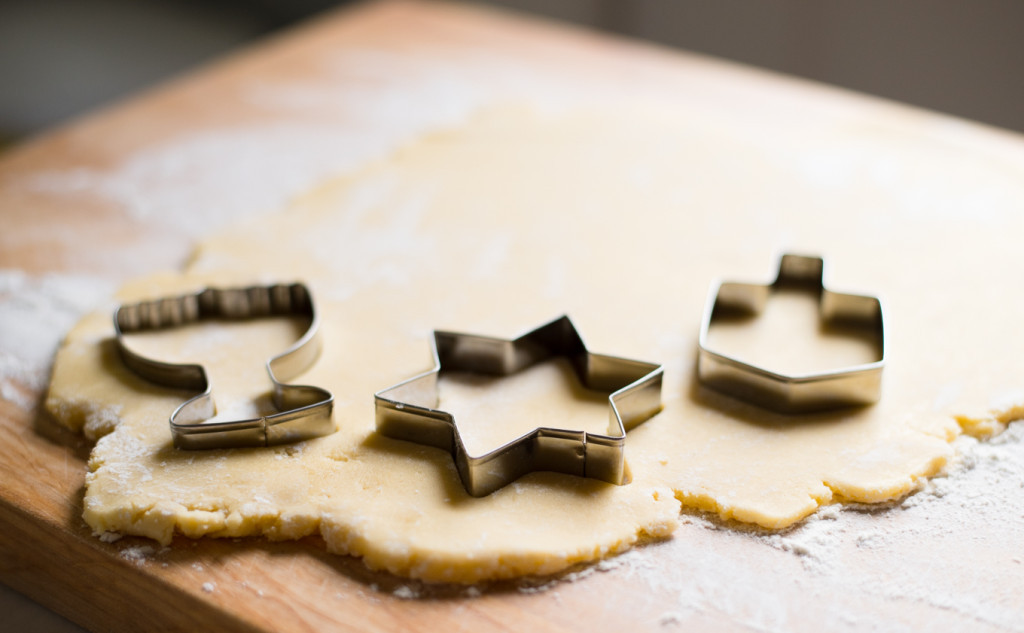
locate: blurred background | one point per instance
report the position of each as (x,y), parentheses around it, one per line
(59,58)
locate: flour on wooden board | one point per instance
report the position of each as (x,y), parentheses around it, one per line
(35,313)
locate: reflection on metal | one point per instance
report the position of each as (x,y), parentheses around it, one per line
(842,386)
(408,410)
(304,411)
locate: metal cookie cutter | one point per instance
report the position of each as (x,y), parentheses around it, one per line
(305,411)
(408,410)
(844,386)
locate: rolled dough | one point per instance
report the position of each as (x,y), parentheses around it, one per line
(620,219)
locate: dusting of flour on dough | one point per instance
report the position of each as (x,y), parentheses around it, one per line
(92,419)
(198,183)
(215,171)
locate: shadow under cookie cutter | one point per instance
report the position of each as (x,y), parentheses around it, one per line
(304,411)
(843,386)
(408,410)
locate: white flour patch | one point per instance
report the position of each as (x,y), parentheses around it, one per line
(813,541)
(138,555)
(35,313)
(406,592)
(201,182)
(844,557)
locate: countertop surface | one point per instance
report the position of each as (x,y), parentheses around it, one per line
(93,203)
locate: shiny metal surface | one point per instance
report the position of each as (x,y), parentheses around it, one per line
(408,410)
(304,411)
(842,386)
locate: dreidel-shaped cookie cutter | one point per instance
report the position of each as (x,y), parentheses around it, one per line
(408,410)
(843,386)
(304,411)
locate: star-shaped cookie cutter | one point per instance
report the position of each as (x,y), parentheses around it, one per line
(408,410)
(843,386)
(304,411)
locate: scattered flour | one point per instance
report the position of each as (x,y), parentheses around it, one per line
(904,559)
(406,592)
(214,171)
(138,554)
(197,183)
(35,313)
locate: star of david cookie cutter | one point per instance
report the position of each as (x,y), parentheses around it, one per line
(304,411)
(408,410)
(843,386)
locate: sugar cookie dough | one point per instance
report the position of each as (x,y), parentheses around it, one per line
(620,219)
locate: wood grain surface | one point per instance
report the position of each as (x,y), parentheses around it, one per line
(49,554)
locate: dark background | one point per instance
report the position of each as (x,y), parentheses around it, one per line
(62,57)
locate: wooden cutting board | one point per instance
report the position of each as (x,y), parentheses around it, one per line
(419,59)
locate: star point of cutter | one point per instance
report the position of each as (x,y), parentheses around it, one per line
(408,410)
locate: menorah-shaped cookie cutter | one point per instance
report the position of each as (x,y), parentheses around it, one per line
(304,411)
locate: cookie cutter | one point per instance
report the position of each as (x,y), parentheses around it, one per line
(844,386)
(304,411)
(408,410)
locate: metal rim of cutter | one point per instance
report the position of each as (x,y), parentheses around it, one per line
(304,411)
(408,410)
(844,386)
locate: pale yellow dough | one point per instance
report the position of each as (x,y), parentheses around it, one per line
(620,219)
